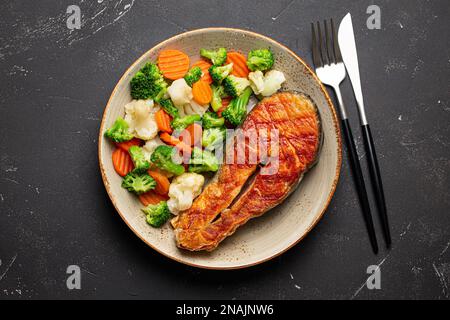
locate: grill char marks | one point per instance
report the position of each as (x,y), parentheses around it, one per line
(297,121)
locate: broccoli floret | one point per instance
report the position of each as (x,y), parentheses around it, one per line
(148,83)
(140,163)
(261,59)
(157,214)
(162,158)
(138,183)
(161,95)
(193,75)
(214,137)
(219,73)
(234,86)
(119,131)
(168,106)
(217,57)
(186,121)
(218,92)
(237,110)
(212,120)
(203,161)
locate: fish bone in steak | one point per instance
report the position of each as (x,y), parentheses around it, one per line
(216,214)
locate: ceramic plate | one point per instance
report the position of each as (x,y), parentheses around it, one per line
(278,230)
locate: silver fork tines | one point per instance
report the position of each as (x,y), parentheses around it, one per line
(327,59)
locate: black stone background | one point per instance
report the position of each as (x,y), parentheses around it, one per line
(54,210)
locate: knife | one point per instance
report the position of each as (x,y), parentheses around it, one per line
(347,44)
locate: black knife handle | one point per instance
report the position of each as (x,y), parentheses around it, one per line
(360,186)
(377,184)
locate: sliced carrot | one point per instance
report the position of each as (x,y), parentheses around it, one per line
(128,144)
(173,64)
(239,61)
(162,183)
(122,162)
(195,134)
(204,65)
(151,198)
(202,92)
(163,121)
(225,102)
(167,138)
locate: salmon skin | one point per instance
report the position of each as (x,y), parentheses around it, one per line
(240,192)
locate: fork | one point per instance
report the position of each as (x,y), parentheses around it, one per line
(331,71)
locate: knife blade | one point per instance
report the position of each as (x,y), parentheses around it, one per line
(347,44)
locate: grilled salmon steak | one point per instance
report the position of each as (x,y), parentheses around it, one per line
(240,191)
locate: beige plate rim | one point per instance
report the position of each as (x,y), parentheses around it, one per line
(335,122)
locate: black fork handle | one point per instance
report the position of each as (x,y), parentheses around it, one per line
(360,185)
(377,184)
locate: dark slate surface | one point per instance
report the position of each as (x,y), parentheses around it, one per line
(54,210)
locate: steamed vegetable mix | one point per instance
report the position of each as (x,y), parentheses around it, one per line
(177,120)
(162,182)
(173,64)
(261,59)
(157,214)
(195,134)
(239,62)
(180,93)
(162,158)
(203,161)
(204,66)
(225,103)
(183,123)
(151,197)
(213,138)
(148,83)
(122,162)
(168,106)
(163,121)
(119,131)
(126,145)
(138,183)
(211,120)
(266,85)
(176,142)
(140,163)
(218,74)
(217,57)
(202,92)
(235,86)
(237,110)
(193,75)
(218,92)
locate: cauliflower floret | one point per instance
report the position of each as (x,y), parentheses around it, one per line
(272,82)
(256,81)
(183,190)
(268,84)
(150,146)
(197,108)
(193,107)
(140,116)
(180,92)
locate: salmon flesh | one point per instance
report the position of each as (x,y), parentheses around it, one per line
(240,191)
